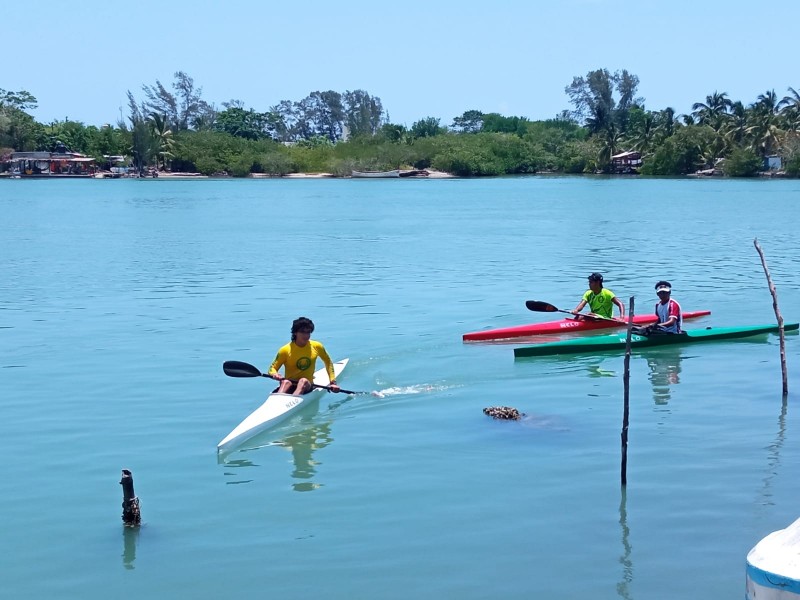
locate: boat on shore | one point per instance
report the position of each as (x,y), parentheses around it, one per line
(565,326)
(603,343)
(376,174)
(276,409)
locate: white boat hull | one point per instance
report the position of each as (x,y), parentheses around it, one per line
(376,174)
(773,566)
(276,409)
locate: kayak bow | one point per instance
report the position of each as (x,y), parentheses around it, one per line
(564,326)
(276,409)
(617,342)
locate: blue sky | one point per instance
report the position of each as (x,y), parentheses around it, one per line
(434,59)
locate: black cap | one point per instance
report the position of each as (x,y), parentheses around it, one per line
(596,277)
(663,286)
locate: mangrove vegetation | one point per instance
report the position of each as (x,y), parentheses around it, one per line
(174,128)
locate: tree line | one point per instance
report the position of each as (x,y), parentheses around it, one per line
(175,128)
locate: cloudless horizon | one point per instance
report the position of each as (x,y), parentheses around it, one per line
(436,60)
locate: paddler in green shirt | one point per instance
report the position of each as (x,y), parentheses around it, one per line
(599,299)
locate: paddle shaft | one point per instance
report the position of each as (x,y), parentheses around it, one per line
(539,306)
(316,385)
(236,368)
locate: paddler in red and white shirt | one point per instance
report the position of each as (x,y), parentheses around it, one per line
(668,310)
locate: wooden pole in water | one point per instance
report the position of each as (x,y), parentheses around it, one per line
(626,377)
(131,516)
(778,316)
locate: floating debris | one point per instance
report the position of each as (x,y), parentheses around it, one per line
(503,412)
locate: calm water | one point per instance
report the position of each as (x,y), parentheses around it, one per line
(119,300)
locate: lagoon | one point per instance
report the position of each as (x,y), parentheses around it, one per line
(120,299)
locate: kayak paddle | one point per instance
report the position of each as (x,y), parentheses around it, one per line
(539,306)
(236,368)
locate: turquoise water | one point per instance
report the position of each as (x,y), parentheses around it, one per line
(119,300)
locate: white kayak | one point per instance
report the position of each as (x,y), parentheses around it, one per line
(276,409)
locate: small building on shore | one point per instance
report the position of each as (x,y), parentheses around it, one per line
(52,164)
(626,162)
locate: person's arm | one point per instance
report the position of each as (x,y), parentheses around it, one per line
(620,305)
(279,361)
(580,306)
(323,354)
(674,314)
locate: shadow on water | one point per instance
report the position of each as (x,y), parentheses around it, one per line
(303,435)
(623,587)
(130,536)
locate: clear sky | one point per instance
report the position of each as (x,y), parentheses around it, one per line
(422,59)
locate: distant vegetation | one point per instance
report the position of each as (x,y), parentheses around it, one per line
(174,128)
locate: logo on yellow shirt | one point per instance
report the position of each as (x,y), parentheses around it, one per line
(303,363)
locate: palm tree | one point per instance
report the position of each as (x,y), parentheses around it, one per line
(163,137)
(735,130)
(768,102)
(610,141)
(765,127)
(713,111)
(789,109)
(642,132)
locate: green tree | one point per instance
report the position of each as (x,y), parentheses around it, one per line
(363,113)
(184,106)
(428,127)
(497,123)
(324,112)
(392,132)
(161,138)
(764,128)
(642,130)
(594,103)
(742,162)
(470,122)
(239,122)
(18,129)
(713,111)
(682,153)
(144,146)
(789,108)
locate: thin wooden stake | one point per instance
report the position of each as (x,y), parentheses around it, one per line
(778,316)
(626,377)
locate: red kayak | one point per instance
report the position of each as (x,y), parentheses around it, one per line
(565,326)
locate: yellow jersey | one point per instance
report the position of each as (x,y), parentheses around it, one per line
(300,361)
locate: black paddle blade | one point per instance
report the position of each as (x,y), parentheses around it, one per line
(235,368)
(537,306)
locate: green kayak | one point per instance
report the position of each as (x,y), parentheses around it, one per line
(617,342)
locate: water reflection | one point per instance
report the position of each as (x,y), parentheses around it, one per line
(302,445)
(130,535)
(774,456)
(302,436)
(665,371)
(623,587)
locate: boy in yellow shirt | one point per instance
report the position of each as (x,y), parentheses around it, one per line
(299,359)
(599,299)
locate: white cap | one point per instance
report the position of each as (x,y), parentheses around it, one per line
(663,288)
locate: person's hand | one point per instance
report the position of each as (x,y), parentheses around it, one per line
(277,377)
(334,388)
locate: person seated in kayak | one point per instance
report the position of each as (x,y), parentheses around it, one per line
(668,310)
(599,299)
(299,359)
